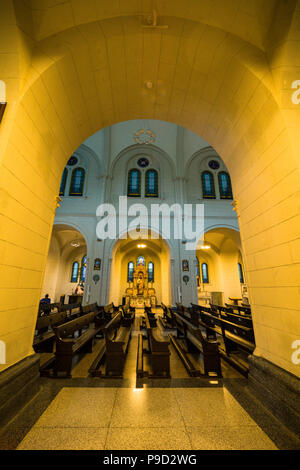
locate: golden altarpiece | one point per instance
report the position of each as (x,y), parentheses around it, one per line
(140,292)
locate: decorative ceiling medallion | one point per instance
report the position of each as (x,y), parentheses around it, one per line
(143,162)
(144,136)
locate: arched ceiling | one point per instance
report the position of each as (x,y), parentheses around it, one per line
(53,16)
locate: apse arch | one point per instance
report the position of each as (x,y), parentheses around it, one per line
(157,251)
(68,246)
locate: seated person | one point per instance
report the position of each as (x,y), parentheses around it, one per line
(45,305)
(45,300)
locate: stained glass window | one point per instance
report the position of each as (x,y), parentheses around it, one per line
(208,185)
(130,272)
(241,274)
(77,182)
(204,269)
(140,260)
(63,182)
(72,161)
(197,271)
(75,272)
(225,185)
(83,269)
(134,183)
(150,272)
(151,189)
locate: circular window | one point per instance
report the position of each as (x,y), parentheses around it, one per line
(214,164)
(143,162)
(72,161)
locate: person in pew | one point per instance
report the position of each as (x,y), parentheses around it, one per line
(45,305)
(45,300)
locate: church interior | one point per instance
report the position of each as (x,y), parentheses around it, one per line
(116,119)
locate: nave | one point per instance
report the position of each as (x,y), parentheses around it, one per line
(167,413)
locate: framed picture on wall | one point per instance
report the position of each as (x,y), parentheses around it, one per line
(97,264)
(185,265)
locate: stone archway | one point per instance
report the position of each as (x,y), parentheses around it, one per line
(225,86)
(156,251)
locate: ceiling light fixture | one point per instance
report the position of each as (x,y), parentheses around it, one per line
(75,243)
(141,246)
(205,247)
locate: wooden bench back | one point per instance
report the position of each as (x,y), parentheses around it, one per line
(156,345)
(51,320)
(110,308)
(112,327)
(67,329)
(89,308)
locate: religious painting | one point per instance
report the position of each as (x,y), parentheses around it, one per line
(97,264)
(185,265)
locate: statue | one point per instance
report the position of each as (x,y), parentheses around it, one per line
(140,284)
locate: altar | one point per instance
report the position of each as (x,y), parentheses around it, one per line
(140,293)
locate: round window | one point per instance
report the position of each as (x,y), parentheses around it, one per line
(143,162)
(72,161)
(214,164)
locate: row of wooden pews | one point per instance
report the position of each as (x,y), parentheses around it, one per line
(110,360)
(66,330)
(189,341)
(225,331)
(117,334)
(233,328)
(154,360)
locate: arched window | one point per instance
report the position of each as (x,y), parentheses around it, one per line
(208,185)
(241,274)
(197,271)
(75,272)
(225,185)
(130,272)
(150,272)
(134,183)
(83,269)
(63,182)
(77,182)
(151,187)
(204,269)
(140,260)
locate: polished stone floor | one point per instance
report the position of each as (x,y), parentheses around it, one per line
(160,414)
(147,418)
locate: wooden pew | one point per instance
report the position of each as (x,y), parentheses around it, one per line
(191,333)
(188,313)
(44,335)
(140,373)
(128,312)
(151,317)
(167,320)
(67,345)
(47,309)
(117,336)
(236,333)
(158,350)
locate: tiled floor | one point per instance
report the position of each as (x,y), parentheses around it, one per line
(148,418)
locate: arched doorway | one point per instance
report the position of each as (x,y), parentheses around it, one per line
(218,273)
(66,268)
(156,256)
(222,82)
